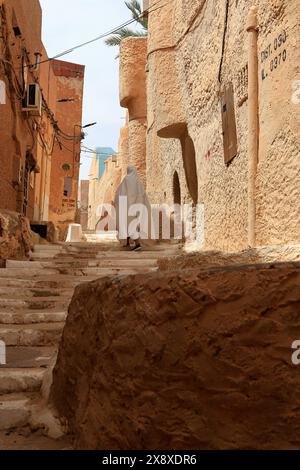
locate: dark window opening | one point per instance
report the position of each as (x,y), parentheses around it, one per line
(176,189)
(17,31)
(68,186)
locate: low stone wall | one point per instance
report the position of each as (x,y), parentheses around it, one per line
(183,360)
(203,260)
(16,239)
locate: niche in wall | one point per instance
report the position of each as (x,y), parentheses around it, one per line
(176,189)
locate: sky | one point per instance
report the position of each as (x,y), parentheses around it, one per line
(67,23)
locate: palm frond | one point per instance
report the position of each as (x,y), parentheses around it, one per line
(135,7)
(123,33)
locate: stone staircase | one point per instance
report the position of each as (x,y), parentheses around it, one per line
(34,299)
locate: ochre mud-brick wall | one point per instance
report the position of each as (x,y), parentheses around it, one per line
(189,360)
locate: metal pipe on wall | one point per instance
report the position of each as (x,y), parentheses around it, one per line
(253,121)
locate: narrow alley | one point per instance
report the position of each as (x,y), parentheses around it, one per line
(34,300)
(149,231)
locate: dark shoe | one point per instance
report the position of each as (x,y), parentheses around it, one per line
(137,248)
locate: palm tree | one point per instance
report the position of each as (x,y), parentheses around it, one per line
(136,10)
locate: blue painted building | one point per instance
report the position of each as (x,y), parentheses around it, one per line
(102,154)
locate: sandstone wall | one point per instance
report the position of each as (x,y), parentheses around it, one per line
(123,151)
(133,58)
(16,238)
(183,360)
(184,62)
(63,207)
(103,191)
(17,134)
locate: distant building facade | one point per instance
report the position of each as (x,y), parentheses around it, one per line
(37,120)
(102,153)
(101,182)
(25,131)
(66,154)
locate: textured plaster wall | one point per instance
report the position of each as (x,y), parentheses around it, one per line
(70,81)
(123,152)
(17,130)
(183,65)
(103,191)
(133,58)
(44,153)
(186,359)
(278,182)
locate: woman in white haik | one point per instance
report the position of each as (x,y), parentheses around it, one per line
(133,222)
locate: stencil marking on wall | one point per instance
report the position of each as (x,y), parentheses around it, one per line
(274,56)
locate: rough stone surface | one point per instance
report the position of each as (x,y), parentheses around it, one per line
(183,360)
(211,259)
(123,155)
(133,59)
(15,236)
(103,191)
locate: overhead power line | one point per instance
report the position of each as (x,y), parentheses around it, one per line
(102,36)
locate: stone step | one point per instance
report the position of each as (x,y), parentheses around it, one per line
(11,305)
(14,411)
(31,317)
(115,255)
(44,255)
(76,272)
(132,261)
(20,380)
(26,273)
(41,334)
(23,264)
(91,247)
(32,292)
(43,248)
(23,283)
(51,282)
(103,263)
(126,255)
(26,357)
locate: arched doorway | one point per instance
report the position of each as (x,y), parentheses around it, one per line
(176,189)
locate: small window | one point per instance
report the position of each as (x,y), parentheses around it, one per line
(229,124)
(68,186)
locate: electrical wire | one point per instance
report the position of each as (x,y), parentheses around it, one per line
(89,150)
(102,36)
(20,92)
